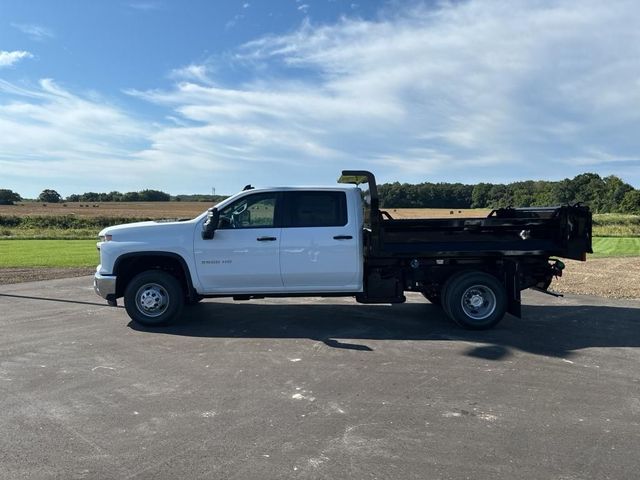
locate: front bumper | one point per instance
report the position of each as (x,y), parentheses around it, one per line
(105,286)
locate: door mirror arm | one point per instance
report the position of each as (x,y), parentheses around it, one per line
(210,225)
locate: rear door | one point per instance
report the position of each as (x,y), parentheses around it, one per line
(320,247)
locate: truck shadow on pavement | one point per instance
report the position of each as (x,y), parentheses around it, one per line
(57,300)
(554,331)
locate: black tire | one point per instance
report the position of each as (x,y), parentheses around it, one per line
(433,298)
(475,300)
(446,288)
(154,298)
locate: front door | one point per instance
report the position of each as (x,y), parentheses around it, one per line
(244,255)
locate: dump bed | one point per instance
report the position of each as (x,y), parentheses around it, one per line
(563,231)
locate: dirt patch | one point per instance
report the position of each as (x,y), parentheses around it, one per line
(20,275)
(604,277)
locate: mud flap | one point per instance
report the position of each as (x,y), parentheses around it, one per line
(512,285)
(381,290)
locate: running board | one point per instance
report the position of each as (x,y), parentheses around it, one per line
(364,299)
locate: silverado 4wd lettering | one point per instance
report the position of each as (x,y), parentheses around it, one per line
(327,241)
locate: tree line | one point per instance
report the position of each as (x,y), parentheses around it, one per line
(9,197)
(141,196)
(604,195)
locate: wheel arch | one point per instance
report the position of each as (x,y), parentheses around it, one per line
(129,265)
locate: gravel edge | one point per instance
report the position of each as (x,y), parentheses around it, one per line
(21,275)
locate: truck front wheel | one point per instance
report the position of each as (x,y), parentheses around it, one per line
(154,298)
(476,300)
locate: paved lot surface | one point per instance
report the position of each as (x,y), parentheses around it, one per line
(321,389)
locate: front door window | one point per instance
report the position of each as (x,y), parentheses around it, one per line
(255,211)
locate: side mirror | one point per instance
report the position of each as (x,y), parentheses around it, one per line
(210,225)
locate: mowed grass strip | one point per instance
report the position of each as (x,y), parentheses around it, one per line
(616,246)
(48,253)
(83,253)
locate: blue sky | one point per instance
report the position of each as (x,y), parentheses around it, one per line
(189,96)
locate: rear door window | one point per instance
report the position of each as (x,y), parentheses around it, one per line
(316,209)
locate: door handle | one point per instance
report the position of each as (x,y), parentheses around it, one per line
(343,237)
(266,239)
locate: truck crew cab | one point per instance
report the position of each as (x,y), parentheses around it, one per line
(335,241)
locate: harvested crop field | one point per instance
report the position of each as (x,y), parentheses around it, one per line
(187,210)
(437,212)
(109,209)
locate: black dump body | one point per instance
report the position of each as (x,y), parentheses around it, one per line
(563,231)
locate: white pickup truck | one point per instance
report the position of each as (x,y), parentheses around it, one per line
(334,241)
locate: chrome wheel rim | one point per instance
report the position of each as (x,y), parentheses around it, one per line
(478,302)
(152,300)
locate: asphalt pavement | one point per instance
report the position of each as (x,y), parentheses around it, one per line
(315,389)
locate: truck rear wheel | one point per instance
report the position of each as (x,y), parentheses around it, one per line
(154,298)
(475,300)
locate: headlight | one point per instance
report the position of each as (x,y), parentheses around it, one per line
(105,238)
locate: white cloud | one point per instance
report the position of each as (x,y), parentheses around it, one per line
(33,31)
(145,6)
(54,137)
(481,90)
(234,21)
(8,59)
(197,73)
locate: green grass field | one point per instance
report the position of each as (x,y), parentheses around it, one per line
(616,225)
(83,253)
(48,253)
(616,246)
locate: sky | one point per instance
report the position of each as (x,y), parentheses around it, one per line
(197,96)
